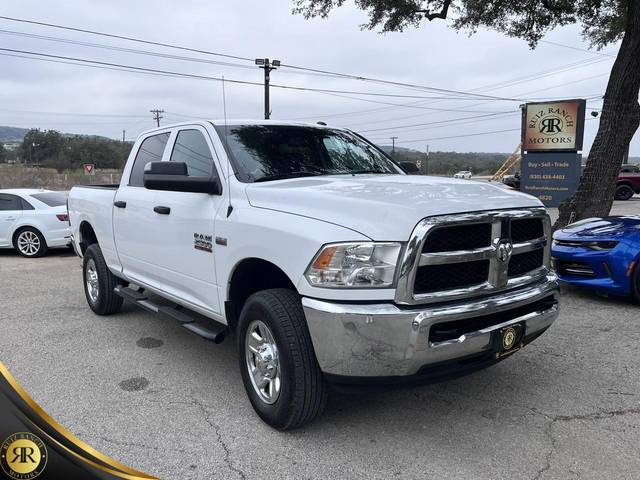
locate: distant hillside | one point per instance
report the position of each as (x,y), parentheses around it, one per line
(447,163)
(12,134)
(15,134)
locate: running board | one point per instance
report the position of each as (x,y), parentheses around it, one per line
(215,334)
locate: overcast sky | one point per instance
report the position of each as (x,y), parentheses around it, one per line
(78,99)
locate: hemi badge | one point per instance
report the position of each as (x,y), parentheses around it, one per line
(221,241)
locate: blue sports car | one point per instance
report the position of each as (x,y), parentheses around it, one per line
(600,253)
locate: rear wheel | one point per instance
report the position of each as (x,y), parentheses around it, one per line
(30,242)
(99,283)
(623,192)
(277,361)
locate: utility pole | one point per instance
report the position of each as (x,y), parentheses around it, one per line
(426,162)
(123,135)
(267,67)
(393,144)
(156,115)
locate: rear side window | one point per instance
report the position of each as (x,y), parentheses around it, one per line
(9,202)
(151,150)
(192,149)
(51,199)
(26,205)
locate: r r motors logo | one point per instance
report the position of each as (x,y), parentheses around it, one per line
(23,456)
(551,121)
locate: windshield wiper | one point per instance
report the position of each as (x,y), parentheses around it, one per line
(280,176)
(357,172)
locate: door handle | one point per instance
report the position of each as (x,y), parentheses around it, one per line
(10,219)
(162,210)
(120,204)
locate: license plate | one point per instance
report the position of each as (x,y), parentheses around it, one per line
(508,340)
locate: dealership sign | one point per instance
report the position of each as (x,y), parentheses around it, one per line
(553,126)
(551,141)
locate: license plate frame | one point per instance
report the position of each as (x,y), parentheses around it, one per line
(508,339)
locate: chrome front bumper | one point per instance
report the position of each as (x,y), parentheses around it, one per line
(380,340)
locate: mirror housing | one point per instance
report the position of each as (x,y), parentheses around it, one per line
(410,168)
(173,176)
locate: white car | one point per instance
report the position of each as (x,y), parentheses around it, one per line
(33,220)
(463,174)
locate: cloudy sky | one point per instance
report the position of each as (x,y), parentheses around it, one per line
(80,99)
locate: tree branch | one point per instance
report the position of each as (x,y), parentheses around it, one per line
(555,8)
(441,14)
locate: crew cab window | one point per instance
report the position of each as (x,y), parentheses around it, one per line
(151,150)
(9,202)
(191,148)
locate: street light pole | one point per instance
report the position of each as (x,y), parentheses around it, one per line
(267,66)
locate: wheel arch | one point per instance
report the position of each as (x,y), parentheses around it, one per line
(87,236)
(247,277)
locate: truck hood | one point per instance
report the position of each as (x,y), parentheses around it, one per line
(382,207)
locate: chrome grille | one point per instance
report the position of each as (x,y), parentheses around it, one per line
(458,256)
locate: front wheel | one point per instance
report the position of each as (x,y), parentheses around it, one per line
(99,283)
(278,364)
(635,284)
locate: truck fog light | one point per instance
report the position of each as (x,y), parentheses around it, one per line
(355,265)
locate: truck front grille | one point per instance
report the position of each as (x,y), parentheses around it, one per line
(458,237)
(433,278)
(464,255)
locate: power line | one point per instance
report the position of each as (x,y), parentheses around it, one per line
(110,65)
(123,37)
(157,116)
(72,113)
(438,122)
(595,52)
(296,67)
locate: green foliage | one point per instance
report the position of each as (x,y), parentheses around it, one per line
(3,153)
(448,163)
(603,21)
(52,149)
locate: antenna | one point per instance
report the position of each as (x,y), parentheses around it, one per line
(224,109)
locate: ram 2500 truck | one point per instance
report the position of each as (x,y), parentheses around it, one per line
(330,265)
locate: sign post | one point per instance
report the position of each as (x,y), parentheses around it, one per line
(552,134)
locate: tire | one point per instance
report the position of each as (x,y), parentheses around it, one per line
(623,192)
(296,393)
(30,243)
(99,283)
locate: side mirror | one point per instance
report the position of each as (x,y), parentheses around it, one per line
(409,167)
(174,176)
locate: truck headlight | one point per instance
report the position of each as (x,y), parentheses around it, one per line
(354,265)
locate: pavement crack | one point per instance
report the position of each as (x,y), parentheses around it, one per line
(548,431)
(216,429)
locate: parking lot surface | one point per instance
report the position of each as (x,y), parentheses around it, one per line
(146,392)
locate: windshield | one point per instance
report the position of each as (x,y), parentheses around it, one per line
(271,152)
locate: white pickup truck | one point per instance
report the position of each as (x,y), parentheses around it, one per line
(330,264)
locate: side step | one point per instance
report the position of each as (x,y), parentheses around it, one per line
(215,334)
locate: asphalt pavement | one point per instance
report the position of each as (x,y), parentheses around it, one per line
(146,392)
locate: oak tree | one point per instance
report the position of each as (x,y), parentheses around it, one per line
(602,21)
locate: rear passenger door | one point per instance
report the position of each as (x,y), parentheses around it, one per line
(185,234)
(10,213)
(133,215)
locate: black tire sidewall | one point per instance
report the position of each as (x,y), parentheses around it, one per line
(43,243)
(635,283)
(624,188)
(277,413)
(105,303)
